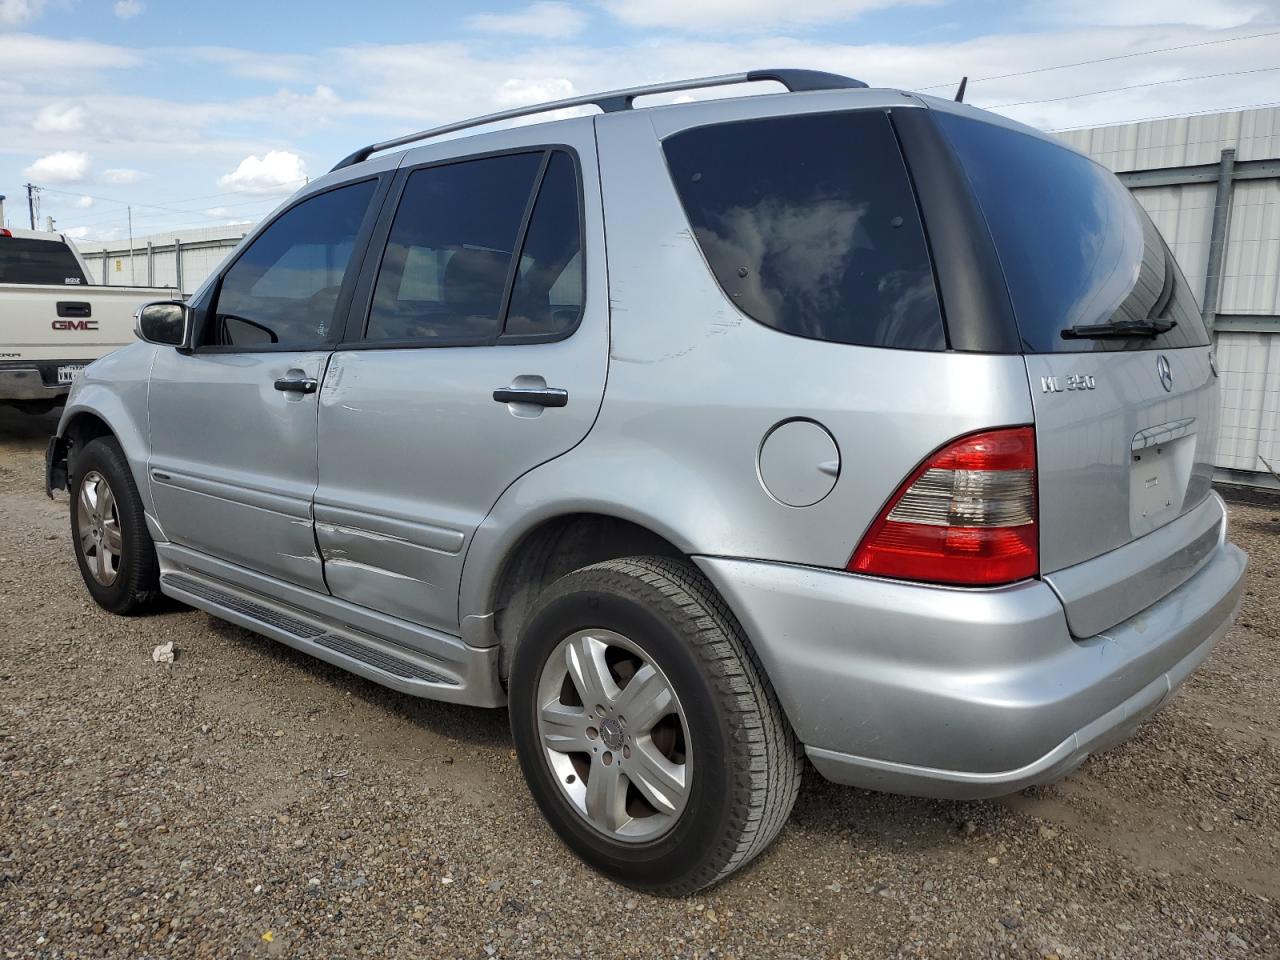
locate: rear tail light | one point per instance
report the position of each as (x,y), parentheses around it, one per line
(966,516)
(5,233)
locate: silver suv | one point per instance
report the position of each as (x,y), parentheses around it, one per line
(839,423)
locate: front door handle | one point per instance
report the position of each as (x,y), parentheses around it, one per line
(299,385)
(542,396)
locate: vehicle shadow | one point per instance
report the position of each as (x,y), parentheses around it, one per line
(823,809)
(27,429)
(475,726)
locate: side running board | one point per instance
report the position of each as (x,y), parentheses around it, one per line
(372,657)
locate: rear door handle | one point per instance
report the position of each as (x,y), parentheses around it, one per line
(300,385)
(542,396)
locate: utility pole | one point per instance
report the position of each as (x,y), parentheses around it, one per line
(31,204)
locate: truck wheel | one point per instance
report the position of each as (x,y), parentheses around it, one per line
(113,547)
(648,734)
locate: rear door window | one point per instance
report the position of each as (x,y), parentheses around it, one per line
(38,261)
(810,225)
(451,263)
(1077,249)
(444,271)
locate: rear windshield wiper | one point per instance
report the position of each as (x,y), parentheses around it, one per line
(1120,330)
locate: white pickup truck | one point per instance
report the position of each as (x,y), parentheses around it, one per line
(52,320)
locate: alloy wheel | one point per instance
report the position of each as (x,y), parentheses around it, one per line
(98,526)
(615,735)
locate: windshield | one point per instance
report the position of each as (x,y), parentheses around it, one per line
(1076,248)
(38,261)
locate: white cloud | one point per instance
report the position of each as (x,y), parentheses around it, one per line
(14,13)
(77,233)
(65,166)
(57,62)
(121,176)
(84,203)
(60,118)
(549,19)
(1215,14)
(127,9)
(278,68)
(738,16)
(277,171)
(517,93)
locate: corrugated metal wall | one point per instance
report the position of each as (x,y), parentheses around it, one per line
(1250,367)
(154,260)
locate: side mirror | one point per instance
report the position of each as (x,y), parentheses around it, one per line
(166,322)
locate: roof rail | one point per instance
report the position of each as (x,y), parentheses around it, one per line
(614,100)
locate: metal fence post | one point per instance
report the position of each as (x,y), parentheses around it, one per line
(151,265)
(177,266)
(1218,237)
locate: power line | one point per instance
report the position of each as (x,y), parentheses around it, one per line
(167,209)
(1132,86)
(100,217)
(1085,63)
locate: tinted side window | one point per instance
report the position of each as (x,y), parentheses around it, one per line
(284,288)
(444,271)
(810,225)
(548,294)
(38,261)
(1076,247)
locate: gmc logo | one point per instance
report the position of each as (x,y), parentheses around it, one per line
(75,324)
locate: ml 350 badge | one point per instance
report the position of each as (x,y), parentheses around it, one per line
(1075,381)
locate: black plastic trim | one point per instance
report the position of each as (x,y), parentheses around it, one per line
(74,308)
(798,81)
(976,308)
(542,396)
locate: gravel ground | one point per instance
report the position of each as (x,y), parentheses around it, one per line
(248,801)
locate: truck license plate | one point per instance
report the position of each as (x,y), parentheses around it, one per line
(68,373)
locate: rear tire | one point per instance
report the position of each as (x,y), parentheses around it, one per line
(114,550)
(729,766)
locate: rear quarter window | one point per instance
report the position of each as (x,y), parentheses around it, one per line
(810,226)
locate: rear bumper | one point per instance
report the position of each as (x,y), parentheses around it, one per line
(964,693)
(34,380)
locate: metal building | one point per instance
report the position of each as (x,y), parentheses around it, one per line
(1212,185)
(179,259)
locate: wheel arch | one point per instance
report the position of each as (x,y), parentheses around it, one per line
(97,411)
(546,549)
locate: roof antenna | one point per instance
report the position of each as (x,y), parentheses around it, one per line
(964,82)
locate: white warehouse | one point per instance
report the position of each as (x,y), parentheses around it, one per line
(1210,182)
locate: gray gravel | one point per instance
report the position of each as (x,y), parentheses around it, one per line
(248,801)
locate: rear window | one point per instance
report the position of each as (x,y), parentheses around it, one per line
(38,261)
(1076,247)
(810,226)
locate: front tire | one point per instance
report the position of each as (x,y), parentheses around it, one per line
(114,550)
(648,734)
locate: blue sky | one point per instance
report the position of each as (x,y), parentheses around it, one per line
(198,114)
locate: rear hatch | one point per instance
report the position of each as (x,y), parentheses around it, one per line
(1121,376)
